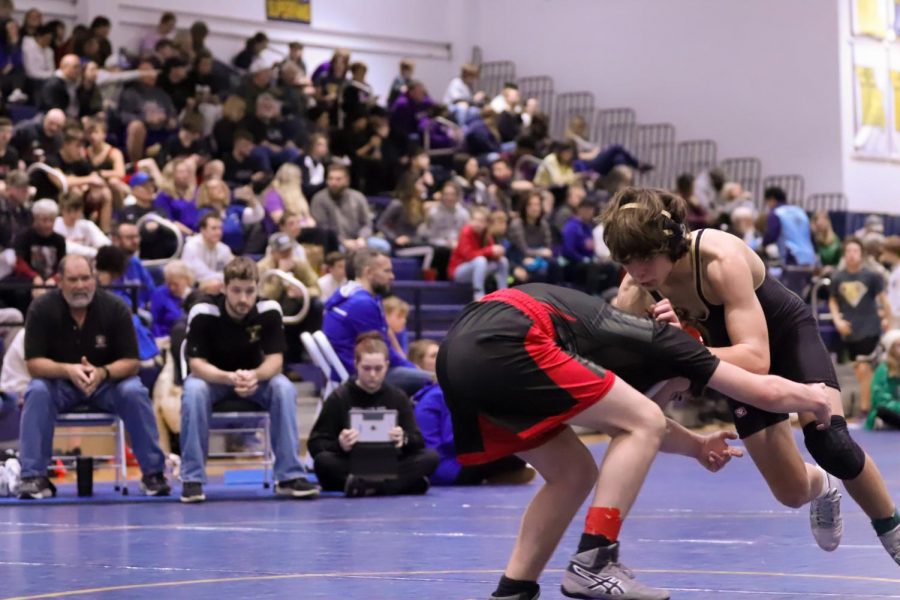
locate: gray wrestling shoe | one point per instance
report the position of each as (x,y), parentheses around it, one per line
(891,543)
(597,573)
(825,517)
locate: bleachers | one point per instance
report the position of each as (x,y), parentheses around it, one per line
(433,305)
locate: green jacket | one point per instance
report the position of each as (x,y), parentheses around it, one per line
(830,254)
(885,392)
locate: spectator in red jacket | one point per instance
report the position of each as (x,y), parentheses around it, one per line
(476,255)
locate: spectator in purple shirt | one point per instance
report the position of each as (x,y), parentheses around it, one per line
(406,113)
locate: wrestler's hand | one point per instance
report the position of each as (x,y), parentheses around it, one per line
(715,452)
(822,405)
(664,311)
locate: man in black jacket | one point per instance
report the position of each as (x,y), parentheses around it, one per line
(61,90)
(332,439)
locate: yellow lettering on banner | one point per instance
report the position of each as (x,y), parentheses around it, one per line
(895,82)
(288,10)
(871,98)
(870,18)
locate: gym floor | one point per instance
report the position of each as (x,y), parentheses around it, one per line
(699,534)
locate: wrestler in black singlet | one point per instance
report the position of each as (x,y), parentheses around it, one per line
(796,350)
(518,364)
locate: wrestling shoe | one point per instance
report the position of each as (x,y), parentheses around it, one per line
(597,573)
(825,517)
(891,543)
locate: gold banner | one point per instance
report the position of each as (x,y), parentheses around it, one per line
(296,11)
(871,99)
(870,18)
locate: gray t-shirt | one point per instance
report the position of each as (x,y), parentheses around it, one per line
(856,295)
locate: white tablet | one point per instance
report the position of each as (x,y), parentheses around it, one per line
(373,425)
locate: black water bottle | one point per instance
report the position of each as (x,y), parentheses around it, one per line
(84,470)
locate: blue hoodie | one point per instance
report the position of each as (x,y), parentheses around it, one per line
(350,311)
(433,418)
(137,274)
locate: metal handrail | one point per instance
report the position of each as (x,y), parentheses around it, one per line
(294,282)
(162,222)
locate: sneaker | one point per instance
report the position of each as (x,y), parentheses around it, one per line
(296,488)
(825,517)
(597,573)
(357,487)
(17,97)
(891,543)
(36,488)
(155,485)
(521,596)
(192,491)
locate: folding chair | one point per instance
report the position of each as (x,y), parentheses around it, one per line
(331,356)
(312,348)
(244,411)
(86,417)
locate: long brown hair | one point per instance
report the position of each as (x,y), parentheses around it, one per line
(641,222)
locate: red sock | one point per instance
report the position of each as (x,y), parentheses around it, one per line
(603,521)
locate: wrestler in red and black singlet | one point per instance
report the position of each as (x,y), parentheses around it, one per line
(521,362)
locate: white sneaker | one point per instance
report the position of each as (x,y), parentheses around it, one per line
(17,97)
(891,543)
(825,517)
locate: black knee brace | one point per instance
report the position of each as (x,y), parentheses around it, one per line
(834,450)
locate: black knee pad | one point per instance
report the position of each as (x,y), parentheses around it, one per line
(834,450)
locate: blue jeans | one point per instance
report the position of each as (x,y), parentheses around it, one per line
(476,271)
(408,379)
(277,396)
(46,398)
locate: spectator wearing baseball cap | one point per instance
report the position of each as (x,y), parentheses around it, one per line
(140,201)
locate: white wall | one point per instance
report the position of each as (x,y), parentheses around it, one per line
(758,76)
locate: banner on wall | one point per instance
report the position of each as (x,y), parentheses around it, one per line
(895,15)
(894,66)
(295,11)
(872,134)
(870,18)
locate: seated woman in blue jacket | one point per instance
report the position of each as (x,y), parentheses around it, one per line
(433,419)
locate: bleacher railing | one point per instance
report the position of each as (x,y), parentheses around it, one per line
(540,87)
(791,184)
(568,105)
(494,74)
(826,201)
(696,156)
(655,144)
(614,126)
(746,171)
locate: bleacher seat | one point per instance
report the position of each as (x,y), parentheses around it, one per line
(407,269)
(21,112)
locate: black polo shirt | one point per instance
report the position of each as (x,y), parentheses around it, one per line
(231,345)
(106,335)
